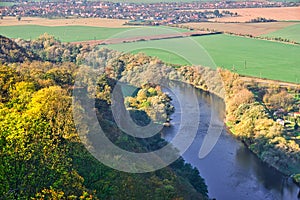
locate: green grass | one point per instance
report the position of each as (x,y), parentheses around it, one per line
(155,1)
(8,3)
(264,59)
(64,33)
(291,32)
(81,33)
(144,1)
(167,56)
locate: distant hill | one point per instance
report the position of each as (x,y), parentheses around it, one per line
(10,51)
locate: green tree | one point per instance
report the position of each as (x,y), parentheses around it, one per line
(216,13)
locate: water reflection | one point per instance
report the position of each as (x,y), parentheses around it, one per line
(231,170)
(266,175)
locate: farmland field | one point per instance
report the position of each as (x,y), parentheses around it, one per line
(98,22)
(81,33)
(290,32)
(143,1)
(246,56)
(65,34)
(246,14)
(8,3)
(255,29)
(165,55)
(155,1)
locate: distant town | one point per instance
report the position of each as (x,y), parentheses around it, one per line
(147,14)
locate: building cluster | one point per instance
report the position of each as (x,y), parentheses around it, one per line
(153,13)
(284,118)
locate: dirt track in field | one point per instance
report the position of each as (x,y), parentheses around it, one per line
(144,38)
(262,81)
(254,29)
(97,22)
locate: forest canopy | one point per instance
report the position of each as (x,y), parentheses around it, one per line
(41,154)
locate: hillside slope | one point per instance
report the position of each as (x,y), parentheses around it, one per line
(11,52)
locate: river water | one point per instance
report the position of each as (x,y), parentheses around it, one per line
(231,171)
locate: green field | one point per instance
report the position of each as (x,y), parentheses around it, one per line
(146,1)
(165,55)
(291,32)
(155,1)
(82,33)
(64,33)
(8,3)
(247,56)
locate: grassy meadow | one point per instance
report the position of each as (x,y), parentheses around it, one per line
(291,32)
(157,1)
(7,4)
(64,33)
(246,56)
(82,33)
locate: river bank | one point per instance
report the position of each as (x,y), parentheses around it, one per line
(249,120)
(230,170)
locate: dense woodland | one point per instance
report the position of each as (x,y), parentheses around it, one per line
(40,151)
(42,156)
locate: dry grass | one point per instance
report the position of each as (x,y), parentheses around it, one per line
(97,22)
(288,13)
(255,29)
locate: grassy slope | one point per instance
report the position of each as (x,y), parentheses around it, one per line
(155,1)
(64,33)
(263,58)
(8,3)
(81,33)
(144,1)
(167,56)
(291,32)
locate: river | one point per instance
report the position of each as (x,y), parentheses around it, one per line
(230,170)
